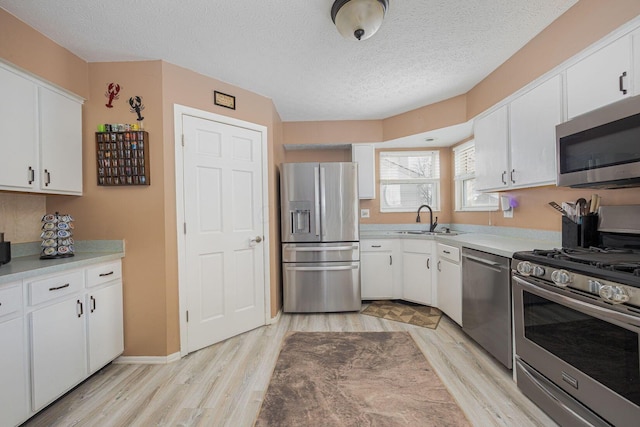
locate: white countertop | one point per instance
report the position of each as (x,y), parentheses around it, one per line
(499,245)
(28,264)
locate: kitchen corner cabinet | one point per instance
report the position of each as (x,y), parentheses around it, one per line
(365,156)
(418,270)
(14,376)
(377,268)
(601,78)
(449,283)
(41,128)
(515,144)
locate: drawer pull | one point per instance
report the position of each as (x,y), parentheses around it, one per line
(57,288)
(447,252)
(79,305)
(376,246)
(106,274)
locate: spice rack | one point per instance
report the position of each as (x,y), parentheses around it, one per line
(123,158)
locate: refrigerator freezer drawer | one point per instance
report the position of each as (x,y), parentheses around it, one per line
(321,252)
(321,287)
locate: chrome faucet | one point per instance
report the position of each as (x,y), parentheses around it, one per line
(432,225)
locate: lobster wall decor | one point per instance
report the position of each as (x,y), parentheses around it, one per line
(113,89)
(136,106)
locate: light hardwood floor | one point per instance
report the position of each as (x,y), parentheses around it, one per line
(223,385)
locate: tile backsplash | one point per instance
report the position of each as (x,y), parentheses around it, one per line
(20,216)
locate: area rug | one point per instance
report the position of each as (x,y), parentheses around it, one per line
(415,314)
(355,379)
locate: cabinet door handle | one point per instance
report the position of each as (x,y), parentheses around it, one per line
(390,260)
(621,83)
(106,274)
(48,175)
(93,304)
(428,268)
(32,175)
(57,288)
(511,175)
(79,308)
(439,265)
(504,180)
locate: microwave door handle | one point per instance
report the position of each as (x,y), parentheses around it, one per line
(316,179)
(620,319)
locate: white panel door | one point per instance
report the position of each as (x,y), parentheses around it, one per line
(596,80)
(533,118)
(492,155)
(61,143)
(18,137)
(223,215)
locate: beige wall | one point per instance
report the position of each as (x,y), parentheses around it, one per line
(20,216)
(28,49)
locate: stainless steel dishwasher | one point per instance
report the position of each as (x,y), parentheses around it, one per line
(486,302)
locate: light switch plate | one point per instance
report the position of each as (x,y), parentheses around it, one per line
(364,213)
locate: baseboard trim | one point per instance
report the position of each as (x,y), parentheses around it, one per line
(148,360)
(275,319)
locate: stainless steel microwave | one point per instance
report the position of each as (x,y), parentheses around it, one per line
(601,149)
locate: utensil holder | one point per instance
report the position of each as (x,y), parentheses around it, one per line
(571,236)
(589,235)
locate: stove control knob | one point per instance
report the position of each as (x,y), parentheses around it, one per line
(561,277)
(538,271)
(614,294)
(524,268)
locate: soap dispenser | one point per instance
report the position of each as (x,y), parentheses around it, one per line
(5,250)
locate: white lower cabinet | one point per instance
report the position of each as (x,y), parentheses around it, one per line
(70,325)
(418,271)
(14,376)
(105,325)
(450,282)
(58,348)
(377,268)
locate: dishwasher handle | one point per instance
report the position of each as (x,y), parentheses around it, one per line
(485,261)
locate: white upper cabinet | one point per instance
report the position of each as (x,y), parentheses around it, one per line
(40,136)
(492,150)
(365,156)
(60,143)
(515,144)
(532,131)
(18,132)
(601,78)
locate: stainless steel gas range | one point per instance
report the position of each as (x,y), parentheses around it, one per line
(577,326)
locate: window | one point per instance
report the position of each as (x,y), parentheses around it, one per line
(409,179)
(467,198)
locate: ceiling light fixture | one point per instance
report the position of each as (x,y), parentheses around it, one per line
(358,19)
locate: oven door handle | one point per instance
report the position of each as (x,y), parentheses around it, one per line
(602,313)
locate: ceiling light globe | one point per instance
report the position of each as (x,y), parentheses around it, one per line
(358,19)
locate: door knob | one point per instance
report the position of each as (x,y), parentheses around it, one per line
(258,239)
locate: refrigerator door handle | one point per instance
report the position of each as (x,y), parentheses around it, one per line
(317,199)
(323,197)
(320,248)
(345,267)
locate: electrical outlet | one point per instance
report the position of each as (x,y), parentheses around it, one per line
(364,213)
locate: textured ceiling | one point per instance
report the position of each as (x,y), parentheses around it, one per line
(290,51)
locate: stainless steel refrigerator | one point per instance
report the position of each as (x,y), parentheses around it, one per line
(320,237)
